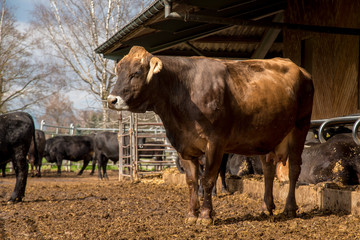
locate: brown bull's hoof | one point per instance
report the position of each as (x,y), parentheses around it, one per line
(269,209)
(13,201)
(190,220)
(290,209)
(225,192)
(205,221)
(289,213)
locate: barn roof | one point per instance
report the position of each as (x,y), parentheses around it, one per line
(162,35)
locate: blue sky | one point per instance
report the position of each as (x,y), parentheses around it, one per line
(22,11)
(23,8)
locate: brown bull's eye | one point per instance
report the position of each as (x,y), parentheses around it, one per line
(136,74)
(131,76)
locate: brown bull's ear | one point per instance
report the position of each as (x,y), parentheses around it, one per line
(155,67)
(116,68)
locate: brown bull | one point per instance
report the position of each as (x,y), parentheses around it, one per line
(210,106)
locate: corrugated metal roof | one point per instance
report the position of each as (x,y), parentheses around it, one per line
(162,36)
(152,10)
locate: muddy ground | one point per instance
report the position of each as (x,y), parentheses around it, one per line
(73,207)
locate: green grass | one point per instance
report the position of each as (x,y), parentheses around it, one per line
(74,166)
(146,168)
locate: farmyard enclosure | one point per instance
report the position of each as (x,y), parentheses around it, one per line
(82,207)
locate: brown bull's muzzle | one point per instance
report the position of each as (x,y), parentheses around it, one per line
(116,103)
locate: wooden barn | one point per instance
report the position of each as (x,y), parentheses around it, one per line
(323,36)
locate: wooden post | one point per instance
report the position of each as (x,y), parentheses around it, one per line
(132,152)
(136,147)
(120,141)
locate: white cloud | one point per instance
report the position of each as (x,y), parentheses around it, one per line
(84,100)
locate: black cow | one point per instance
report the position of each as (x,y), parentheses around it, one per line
(241,165)
(318,163)
(3,169)
(336,160)
(106,146)
(73,148)
(35,166)
(40,142)
(17,130)
(331,131)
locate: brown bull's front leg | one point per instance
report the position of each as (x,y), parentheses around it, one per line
(191,168)
(212,164)
(269,174)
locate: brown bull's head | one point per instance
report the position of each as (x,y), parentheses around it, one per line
(134,73)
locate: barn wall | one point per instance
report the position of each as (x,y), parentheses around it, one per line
(334,60)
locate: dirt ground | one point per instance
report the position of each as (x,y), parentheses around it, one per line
(82,207)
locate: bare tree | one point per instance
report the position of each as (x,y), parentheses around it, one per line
(89,118)
(75,28)
(21,75)
(59,110)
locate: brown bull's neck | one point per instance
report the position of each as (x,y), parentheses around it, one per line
(173,81)
(172,85)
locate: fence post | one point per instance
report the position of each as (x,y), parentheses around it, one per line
(72,129)
(120,141)
(136,147)
(132,152)
(42,125)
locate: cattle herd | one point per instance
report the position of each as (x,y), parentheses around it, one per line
(23,145)
(239,117)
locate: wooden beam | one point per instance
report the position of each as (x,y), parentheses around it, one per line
(268,38)
(188,17)
(214,54)
(196,50)
(229,39)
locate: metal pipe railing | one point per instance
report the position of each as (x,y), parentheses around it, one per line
(355,131)
(325,123)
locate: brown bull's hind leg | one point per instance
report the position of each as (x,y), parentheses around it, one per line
(191,168)
(269,174)
(296,146)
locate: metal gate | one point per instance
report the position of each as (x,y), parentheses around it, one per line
(143,148)
(126,163)
(149,155)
